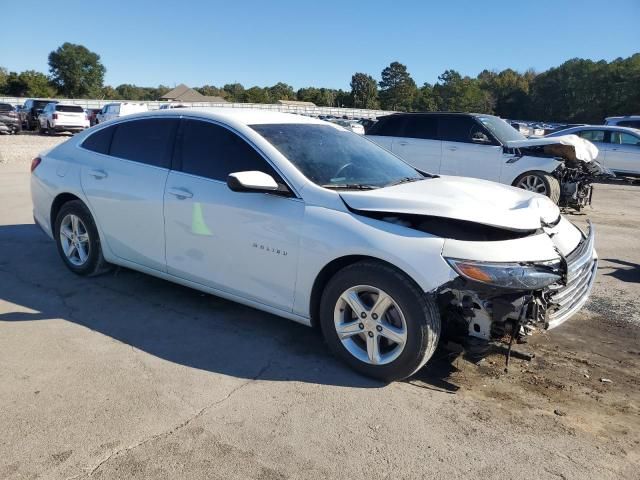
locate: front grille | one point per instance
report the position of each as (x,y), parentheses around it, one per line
(582,264)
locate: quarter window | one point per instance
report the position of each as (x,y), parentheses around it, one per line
(212,151)
(100,141)
(630,123)
(148,141)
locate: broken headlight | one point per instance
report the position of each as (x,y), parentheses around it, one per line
(516,276)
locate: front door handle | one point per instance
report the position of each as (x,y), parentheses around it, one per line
(403,143)
(180,193)
(98,174)
(452,148)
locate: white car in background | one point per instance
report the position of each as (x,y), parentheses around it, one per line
(487,147)
(116,110)
(61,117)
(618,147)
(302,219)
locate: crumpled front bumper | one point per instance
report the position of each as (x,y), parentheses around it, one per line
(581,266)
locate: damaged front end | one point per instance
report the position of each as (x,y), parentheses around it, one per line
(494,302)
(577,169)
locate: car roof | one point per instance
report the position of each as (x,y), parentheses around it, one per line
(609,128)
(625,117)
(245,116)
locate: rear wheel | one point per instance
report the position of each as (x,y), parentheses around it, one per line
(378,321)
(77,239)
(539,182)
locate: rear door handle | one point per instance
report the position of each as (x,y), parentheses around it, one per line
(98,174)
(452,148)
(403,143)
(180,193)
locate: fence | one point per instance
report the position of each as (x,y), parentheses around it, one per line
(299,109)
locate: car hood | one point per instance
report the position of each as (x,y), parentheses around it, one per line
(459,198)
(570,147)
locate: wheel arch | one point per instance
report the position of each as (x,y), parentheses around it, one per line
(57,204)
(329,270)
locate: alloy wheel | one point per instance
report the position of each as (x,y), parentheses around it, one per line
(370,325)
(74,239)
(533,183)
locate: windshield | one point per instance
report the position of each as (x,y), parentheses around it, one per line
(334,158)
(500,129)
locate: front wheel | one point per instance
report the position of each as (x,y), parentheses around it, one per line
(539,182)
(378,321)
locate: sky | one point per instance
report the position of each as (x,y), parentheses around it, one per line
(314,43)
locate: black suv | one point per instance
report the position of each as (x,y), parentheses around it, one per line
(30,111)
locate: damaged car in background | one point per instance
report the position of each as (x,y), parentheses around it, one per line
(303,219)
(487,147)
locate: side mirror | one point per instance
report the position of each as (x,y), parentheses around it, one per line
(252,181)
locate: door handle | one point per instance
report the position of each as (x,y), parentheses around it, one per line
(403,143)
(452,148)
(98,174)
(180,193)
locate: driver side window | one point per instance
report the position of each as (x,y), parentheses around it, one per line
(212,151)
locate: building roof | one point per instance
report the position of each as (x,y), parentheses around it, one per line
(296,103)
(182,93)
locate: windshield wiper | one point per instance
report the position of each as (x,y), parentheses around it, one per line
(350,186)
(406,180)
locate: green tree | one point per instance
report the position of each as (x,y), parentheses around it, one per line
(461,94)
(364,91)
(234,92)
(425,100)
(256,95)
(76,71)
(29,84)
(397,88)
(281,91)
(510,90)
(108,93)
(4,74)
(323,97)
(209,91)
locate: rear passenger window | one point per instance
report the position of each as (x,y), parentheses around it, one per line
(212,151)
(100,141)
(391,126)
(421,126)
(148,141)
(455,128)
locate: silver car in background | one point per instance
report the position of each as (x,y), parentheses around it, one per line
(618,147)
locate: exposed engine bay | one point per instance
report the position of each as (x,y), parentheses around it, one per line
(473,309)
(577,168)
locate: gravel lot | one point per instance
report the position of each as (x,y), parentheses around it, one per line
(128,376)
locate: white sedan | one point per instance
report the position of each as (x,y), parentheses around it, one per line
(302,219)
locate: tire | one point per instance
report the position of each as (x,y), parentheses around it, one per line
(50,130)
(539,182)
(413,314)
(92,263)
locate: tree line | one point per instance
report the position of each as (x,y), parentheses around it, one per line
(579,90)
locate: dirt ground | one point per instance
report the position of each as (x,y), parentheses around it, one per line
(128,376)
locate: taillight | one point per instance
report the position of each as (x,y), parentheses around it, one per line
(34,163)
(54,116)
